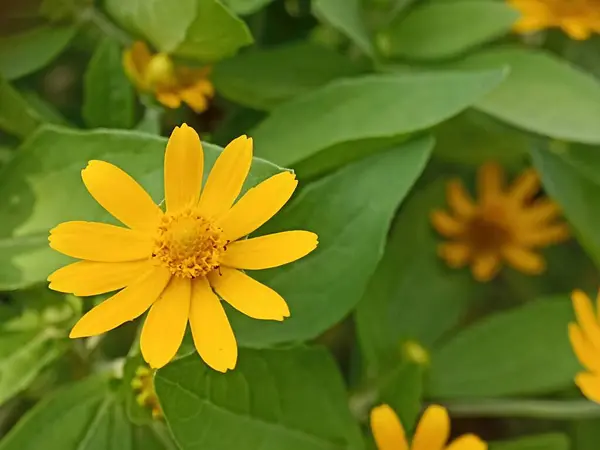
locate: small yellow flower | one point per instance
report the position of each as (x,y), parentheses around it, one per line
(505,224)
(143,385)
(170,84)
(585,339)
(170,262)
(433,432)
(578,18)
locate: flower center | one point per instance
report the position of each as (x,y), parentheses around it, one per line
(188,244)
(161,72)
(488,230)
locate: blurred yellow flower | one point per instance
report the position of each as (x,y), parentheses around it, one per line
(432,433)
(585,339)
(170,262)
(143,385)
(170,84)
(504,225)
(578,18)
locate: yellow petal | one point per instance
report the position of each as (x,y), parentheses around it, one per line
(490,181)
(226,178)
(586,353)
(387,429)
(168,99)
(446,225)
(584,311)
(247,295)
(258,205)
(468,442)
(121,195)
(576,29)
(459,199)
(136,61)
(92,278)
(456,254)
(184,165)
(544,236)
(541,211)
(589,384)
(197,96)
(485,267)
(212,333)
(524,260)
(433,429)
(124,306)
(268,251)
(100,242)
(525,186)
(166,322)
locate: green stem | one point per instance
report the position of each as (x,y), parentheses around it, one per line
(536,409)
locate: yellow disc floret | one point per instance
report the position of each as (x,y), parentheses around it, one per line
(189,245)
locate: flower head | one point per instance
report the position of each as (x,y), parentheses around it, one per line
(432,433)
(143,385)
(503,225)
(170,84)
(585,339)
(172,262)
(578,18)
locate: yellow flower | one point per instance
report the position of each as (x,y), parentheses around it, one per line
(170,84)
(143,385)
(578,18)
(170,262)
(505,224)
(585,339)
(432,432)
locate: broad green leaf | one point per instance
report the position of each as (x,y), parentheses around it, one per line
(403,391)
(474,138)
(522,351)
(351,211)
(246,6)
(549,441)
(27,52)
(445,29)
(542,94)
(163,23)
(347,17)
(109,97)
(47,166)
(45,110)
(570,177)
(264,78)
(23,354)
(86,415)
(372,106)
(214,34)
(291,399)
(586,434)
(16,115)
(412,294)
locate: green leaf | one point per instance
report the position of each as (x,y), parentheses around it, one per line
(245,7)
(45,110)
(412,294)
(83,416)
(109,97)
(351,211)
(542,94)
(47,166)
(290,399)
(570,177)
(522,351)
(586,434)
(367,107)
(549,441)
(403,391)
(446,29)
(28,52)
(346,16)
(16,115)
(214,34)
(23,355)
(262,79)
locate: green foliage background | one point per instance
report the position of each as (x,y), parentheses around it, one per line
(375,104)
